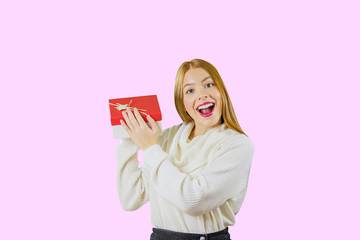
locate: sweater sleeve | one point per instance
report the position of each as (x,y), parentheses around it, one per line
(131,183)
(225,176)
(132,180)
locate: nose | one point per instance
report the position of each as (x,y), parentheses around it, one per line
(203,95)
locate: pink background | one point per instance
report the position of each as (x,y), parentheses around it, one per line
(292,69)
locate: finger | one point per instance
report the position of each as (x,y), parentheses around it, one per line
(127,129)
(139,118)
(152,122)
(128,121)
(132,118)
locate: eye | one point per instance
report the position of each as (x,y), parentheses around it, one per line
(209,85)
(189,91)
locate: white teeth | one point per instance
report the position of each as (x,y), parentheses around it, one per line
(205,106)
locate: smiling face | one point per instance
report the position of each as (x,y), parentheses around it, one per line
(202,100)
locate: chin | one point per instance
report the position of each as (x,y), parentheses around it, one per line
(210,122)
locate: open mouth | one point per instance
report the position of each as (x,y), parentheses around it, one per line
(206,109)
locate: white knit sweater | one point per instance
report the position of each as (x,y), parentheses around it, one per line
(195,186)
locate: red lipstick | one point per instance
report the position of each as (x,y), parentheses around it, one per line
(206,113)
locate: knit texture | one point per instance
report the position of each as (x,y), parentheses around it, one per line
(195,186)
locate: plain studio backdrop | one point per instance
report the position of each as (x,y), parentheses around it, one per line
(291,69)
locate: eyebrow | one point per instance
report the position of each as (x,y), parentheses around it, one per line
(193,83)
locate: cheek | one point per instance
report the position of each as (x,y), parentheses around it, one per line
(188,103)
(218,99)
(216,94)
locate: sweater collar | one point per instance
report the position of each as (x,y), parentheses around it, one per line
(189,126)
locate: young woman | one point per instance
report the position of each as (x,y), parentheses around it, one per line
(195,174)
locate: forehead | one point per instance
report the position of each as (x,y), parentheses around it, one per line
(194,75)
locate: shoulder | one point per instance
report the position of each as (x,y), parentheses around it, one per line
(230,139)
(170,132)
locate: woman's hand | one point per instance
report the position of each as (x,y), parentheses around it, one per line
(142,134)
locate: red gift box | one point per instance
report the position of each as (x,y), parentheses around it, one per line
(147,105)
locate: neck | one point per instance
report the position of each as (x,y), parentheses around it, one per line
(196,131)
